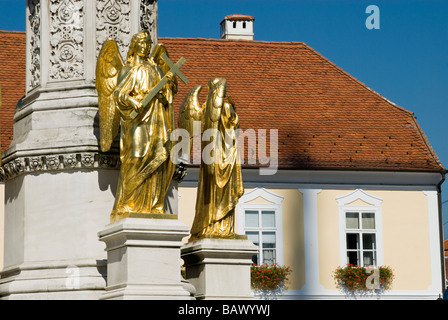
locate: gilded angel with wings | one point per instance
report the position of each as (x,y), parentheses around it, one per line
(146,170)
(220,182)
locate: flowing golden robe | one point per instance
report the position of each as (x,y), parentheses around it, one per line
(146,169)
(220,183)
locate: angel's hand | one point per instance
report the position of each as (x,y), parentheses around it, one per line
(138,107)
(170,77)
(133,104)
(162,98)
(172,81)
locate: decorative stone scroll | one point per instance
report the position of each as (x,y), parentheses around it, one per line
(113,21)
(148,15)
(66,39)
(58,162)
(148,18)
(35,54)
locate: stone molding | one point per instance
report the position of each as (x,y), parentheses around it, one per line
(58,162)
(82,279)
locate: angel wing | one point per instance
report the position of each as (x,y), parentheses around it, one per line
(108,67)
(215,100)
(209,113)
(191,111)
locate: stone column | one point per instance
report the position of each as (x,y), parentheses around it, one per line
(312,285)
(59,187)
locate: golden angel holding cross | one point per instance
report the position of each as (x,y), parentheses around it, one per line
(138,96)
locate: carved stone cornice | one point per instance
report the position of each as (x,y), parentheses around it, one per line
(58,162)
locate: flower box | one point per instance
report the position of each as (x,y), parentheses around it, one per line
(354,278)
(269,276)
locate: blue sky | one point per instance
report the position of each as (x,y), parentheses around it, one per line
(406,60)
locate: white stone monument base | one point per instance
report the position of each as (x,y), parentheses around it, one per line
(54,280)
(143,259)
(219,268)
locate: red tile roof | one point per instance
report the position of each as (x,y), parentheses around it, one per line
(326,119)
(12,80)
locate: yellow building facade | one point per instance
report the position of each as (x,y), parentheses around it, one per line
(315,228)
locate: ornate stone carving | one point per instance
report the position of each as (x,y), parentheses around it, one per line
(35,164)
(70,161)
(66,39)
(60,162)
(87,160)
(35,22)
(53,162)
(113,21)
(148,15)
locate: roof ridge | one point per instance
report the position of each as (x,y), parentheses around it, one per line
(233,40)
(13,31)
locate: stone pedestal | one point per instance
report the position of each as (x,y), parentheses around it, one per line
(51,226)
(219,268)
(54,280)
(143,259)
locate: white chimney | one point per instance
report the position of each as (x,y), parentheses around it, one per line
(237,26)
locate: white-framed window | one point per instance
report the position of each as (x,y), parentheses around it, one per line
(261,229)
(260,218)
(360,235)
(360,231)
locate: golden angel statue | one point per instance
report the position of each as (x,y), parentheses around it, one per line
(220,182)
(137,97)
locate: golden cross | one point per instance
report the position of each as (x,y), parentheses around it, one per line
(175,69)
